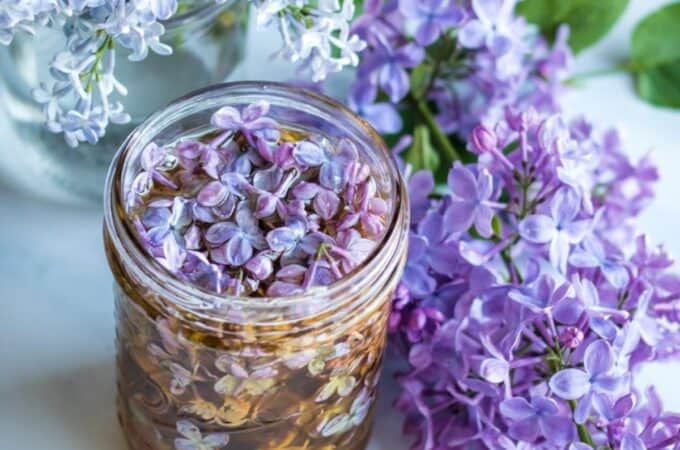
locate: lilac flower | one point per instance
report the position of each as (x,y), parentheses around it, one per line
(234,242)
(543,296)
(192,439)
(583,385)
(331,166)
(382,115)
(248,122)
(491,28)
(163,221)
(591,254)
(431,17)
(416,275)
(151,159)
(539,416)
(386,66)
(325,201)
(560,229)
(470,201)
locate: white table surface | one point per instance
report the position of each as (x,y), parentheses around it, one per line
(56,315)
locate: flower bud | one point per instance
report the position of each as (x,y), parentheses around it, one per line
(484,139)
(571,337)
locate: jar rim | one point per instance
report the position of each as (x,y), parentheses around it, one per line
(129,248)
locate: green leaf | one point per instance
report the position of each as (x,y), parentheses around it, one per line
(655,39)
(420,79)
(422,154)
(588,20)
(655,57)
(660,85)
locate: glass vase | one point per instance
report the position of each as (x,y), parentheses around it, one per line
(296,372)
(208,42)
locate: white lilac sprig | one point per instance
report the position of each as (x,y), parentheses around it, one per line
(78,99)
(249,210)
(525,308)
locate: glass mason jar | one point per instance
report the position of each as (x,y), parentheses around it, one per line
(208,42)
(197,370)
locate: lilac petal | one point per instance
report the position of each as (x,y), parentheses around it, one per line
(216,440)
(173,255)
(188,429)
(255,110)
(212,194)
(608,383)
(568,311)
(524,430)
(559,251)
(383,116)
(152,156)
(155,217)
(462,183)
(419,282)
(326,204)
(305,190)
(308,154)
(583,258)
(484,184)
(534,304)
(472,34)
(577,230)
(266,205)
(238,250)
(604,328)
(427,33)
(410,8)
(260,267)
(331,176)
(599,357)
(483,220)
(565,206)
(459,216)
(221,232)
(579,446)
(410,55)
(157,235)
(632,442)
(282,239)
(142,184)
(444,259)
(394,80)
(616,274)
(570,384)
(557,429)
(227,118)
(546,406)
(292,272)
(371,224)
(420,356)
(517,408)
(268,180)
(583,408)
(282,289)
(494,370)
(538,229)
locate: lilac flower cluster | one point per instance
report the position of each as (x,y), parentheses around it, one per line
(78,98)
(464,61)
(528,299)
(255,209)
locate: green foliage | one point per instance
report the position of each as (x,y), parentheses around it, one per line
(422,154)
(588,20)
(420,80)
(655,57)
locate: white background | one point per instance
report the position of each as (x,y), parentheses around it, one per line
(56,316)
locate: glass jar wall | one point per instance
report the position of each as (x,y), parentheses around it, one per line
(208,42)
(199,370)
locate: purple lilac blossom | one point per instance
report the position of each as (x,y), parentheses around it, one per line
(253,209)
(526,336)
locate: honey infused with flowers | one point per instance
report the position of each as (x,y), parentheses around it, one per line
(281,243)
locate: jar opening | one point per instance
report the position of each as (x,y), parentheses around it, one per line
(185,116)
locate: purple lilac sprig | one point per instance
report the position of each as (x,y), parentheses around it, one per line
(450,65)
(256,209)
(529,300)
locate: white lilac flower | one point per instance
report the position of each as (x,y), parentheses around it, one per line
(192,439)
(77,101)
(356,415)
